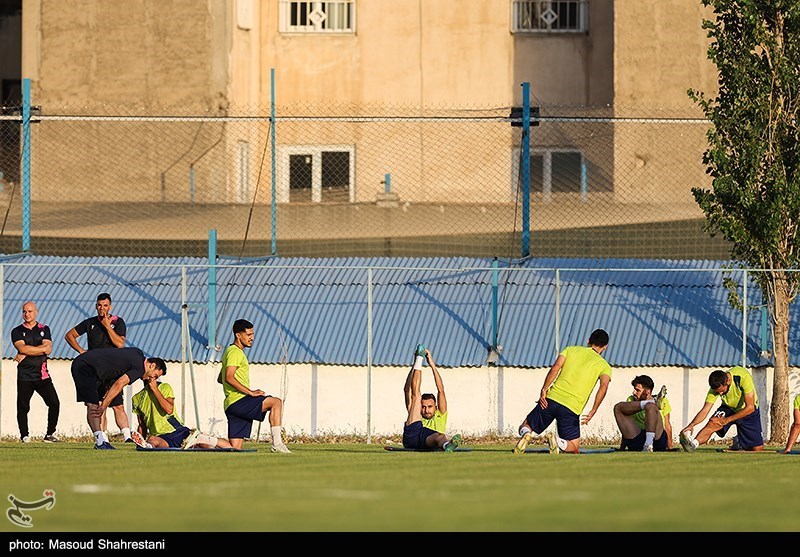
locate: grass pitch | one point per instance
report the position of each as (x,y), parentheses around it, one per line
(351,487)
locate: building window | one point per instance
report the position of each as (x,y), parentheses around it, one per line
(549,16)
(316,174)
(336,16)
(552,171)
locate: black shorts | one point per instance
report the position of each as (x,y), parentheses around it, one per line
(86,385)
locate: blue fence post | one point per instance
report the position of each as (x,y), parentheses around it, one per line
(212,288)
(495,282)
(584,185)
(526,169)
(274,165)
(387,180)
(26,164)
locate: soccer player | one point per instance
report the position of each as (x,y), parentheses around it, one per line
(739,407)
(643,420)
(565,392)
(243,404)
(425,424)
(159,424)
(794,432)
(116,367)
(434,415)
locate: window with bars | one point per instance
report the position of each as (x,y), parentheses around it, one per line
(335,16)
(549,16)
(316,174)
(553,171)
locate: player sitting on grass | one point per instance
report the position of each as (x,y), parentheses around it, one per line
(159,423)
(415,434)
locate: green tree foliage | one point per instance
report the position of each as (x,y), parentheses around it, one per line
(753,156)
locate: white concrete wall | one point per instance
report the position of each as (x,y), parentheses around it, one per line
(327,400)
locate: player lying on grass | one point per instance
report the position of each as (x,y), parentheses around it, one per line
(415,434)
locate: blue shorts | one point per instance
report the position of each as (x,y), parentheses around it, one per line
(637,443)
(568,423)
(176,438)
(241,415)
(748,428)
(414,436)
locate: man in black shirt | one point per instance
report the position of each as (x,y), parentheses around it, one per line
(33,343)
(103,331)
(115,367)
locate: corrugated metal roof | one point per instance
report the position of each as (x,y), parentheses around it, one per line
(657,312)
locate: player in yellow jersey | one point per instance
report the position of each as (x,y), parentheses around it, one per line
(643,419)
(243,404)
(434,414)
(564,394)
(739,406)
(420,430)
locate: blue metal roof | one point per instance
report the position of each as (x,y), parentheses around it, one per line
(657,312)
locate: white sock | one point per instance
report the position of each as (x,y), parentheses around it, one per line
(105,436)
(98,438)
(207,440)
(126,432)
(524,429)
(561,443)
(418,362)
(648,438)
(643,403)
(276,435)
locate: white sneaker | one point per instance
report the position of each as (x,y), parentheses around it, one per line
(647,449)
(26,439)
(552,443)
(688,444)
(191,441)
(280,449)
(522,444)
(137,438)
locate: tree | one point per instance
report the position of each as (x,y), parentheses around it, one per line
(753,156)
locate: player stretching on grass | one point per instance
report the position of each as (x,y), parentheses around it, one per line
(564,394)
(159,423)
(643,420)
(424,418)
(434,416)
(243,404)
(739,407)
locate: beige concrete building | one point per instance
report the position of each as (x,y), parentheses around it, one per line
(416,93)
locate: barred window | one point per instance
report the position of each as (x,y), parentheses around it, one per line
(316,174)
(549,16)
(553,171)
(336,16)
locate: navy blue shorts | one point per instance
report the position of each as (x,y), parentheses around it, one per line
(568,423)
(414,436)
(241,415)
(637,443)
(748,428)
(176,438)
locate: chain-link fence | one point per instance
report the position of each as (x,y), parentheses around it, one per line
(346,181)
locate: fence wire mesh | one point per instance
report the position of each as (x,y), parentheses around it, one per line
(355,180)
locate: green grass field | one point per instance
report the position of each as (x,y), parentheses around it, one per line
(363,488)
